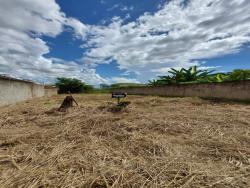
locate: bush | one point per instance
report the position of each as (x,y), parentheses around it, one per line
(239,74)
(125,85)
(72,85)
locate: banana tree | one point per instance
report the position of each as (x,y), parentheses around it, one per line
(182,75)
(177,75)
(154,83)
(163,80)
(239,74)
(193,74)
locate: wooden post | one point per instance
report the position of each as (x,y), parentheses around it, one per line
(118,96)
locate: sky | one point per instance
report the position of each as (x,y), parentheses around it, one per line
(110,41)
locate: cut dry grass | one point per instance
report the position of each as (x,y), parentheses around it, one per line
(155,142)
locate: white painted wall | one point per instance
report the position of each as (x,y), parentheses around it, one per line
(12,92)
(50,92)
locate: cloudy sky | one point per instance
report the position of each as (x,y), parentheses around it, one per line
(107,41)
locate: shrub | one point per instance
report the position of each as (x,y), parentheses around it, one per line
(125,85)
(239,74)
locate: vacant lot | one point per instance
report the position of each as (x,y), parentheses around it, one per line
(155,142)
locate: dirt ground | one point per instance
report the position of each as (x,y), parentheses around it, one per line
(155,142)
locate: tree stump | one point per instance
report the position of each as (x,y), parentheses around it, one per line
(67,103)
(124,104)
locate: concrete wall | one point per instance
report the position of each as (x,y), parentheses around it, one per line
(229,90)
(37,90)
(15,91)
(50,92)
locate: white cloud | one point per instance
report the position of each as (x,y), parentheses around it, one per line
(177,35)
(115,6)
(121,7)
(103,2)
(121,80)
(41,17)
(22,23)
(80,29)
(173,36)
(126,8)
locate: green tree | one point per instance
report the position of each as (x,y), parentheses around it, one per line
(158,82)
(236,75)
(72,85)
(181,76)
(125,85)
(217,77)
(177,75)
(239,74)
(193,74)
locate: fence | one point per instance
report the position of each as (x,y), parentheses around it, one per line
(14,90)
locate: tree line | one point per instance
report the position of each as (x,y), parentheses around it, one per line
(194,75)
(181,76)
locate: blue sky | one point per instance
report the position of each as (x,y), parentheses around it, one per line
(109,41)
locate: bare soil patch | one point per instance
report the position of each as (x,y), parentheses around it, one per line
(154,142)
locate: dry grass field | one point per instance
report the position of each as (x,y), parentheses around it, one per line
(155,142)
